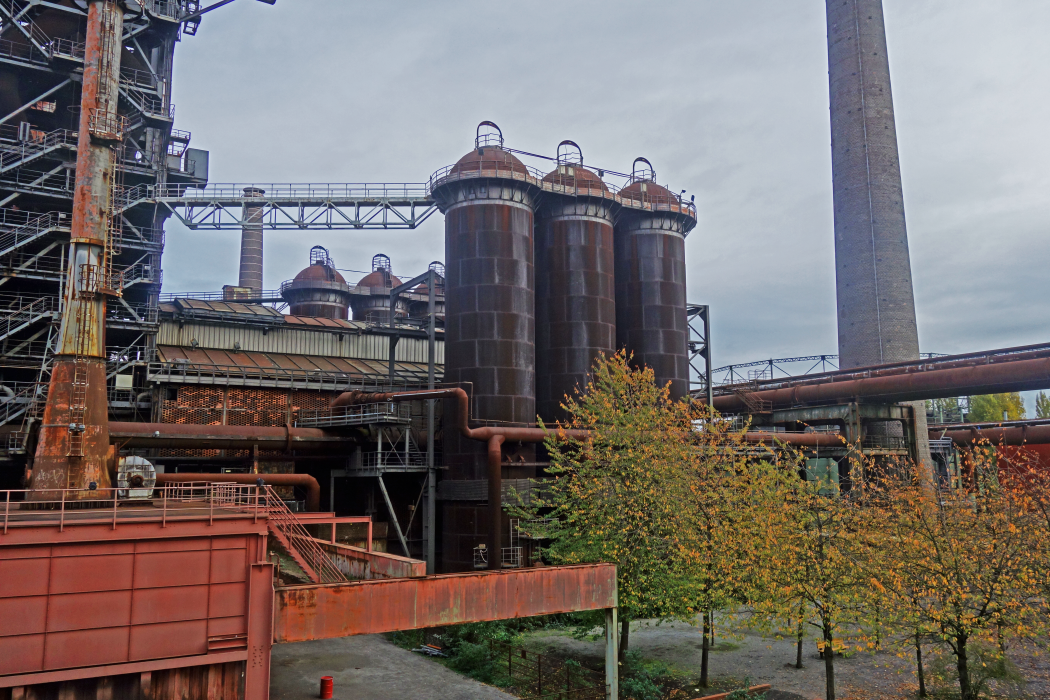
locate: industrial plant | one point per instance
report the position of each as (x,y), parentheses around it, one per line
(190,478)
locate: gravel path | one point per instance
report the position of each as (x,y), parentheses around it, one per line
(863,676)
(367,668)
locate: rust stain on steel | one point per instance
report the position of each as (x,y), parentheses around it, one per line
(362,564)
(52,467)
(369,607)
(575,296)
(82,333)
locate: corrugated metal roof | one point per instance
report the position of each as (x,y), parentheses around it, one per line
(266,360)
(223,307)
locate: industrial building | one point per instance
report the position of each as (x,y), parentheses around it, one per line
(191,477)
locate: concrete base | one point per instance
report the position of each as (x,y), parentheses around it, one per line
(367,668)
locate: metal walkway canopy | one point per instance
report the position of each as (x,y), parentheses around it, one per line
(292,206)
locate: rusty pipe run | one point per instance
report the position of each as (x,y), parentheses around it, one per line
(236,437)
(494,436)
(1003,435)
(796,439)
(1017,375)
(313,489)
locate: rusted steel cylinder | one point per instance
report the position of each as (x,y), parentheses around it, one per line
(575,290)
(488,198)
(313,489)
(185,435)
(73,444)
(1020,375)
(1008,435)
(650,281)
(251,267)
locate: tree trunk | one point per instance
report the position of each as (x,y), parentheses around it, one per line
(798,650)
(829,665)
(962,664)
(918,665)
(704,650)
(625,633)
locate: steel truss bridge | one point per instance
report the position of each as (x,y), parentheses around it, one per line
(288,206)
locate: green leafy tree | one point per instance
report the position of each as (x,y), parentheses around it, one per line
(990,408)
(617,496)
(1042,405)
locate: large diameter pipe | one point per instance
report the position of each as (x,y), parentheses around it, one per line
(1015,436)
(1021,375)
(185,435)
(797,439)
(313,489)
(494,436)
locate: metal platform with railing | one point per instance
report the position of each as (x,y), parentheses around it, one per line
(388,413)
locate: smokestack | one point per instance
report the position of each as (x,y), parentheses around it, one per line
(876,304)
(251,271)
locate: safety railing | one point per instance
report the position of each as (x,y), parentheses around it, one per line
(26,26)
(67,48)
(13,156)
(15,320)
(31,230)
(131,77)
(21,51)
(296,191)
(361,414)
(58,181)
(202,373)
(525,173)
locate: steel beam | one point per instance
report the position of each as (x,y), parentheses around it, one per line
(326,611)
(290,206)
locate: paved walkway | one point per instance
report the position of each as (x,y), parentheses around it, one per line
(367,668)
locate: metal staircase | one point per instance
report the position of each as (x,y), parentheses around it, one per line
(42,225)
(26,314)
(299,543)
(28,151)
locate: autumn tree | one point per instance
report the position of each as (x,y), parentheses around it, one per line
(813,540)
(714,563)
(960,566)
(617,496)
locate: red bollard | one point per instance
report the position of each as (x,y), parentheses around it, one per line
(327,686)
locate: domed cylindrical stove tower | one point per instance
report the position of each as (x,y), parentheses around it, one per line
(488,199)
(650,278)
(319,290)
(370,300)
(575,291)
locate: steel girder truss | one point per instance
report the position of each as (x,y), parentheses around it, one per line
(290,206)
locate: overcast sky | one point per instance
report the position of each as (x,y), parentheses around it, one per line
(728,99)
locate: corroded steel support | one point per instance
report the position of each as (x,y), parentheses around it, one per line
(74,438)
(370,607)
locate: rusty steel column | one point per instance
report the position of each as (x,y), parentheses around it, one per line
(251,272)
(488,198)
(575,289)
(74,437)
(876,302)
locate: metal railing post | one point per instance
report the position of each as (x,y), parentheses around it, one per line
(114,509)
(62,513)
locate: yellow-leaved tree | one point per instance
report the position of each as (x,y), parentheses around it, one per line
(617,496)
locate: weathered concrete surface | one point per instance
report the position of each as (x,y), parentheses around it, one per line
(367,668)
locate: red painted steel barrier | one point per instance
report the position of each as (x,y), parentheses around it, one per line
(370,607)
